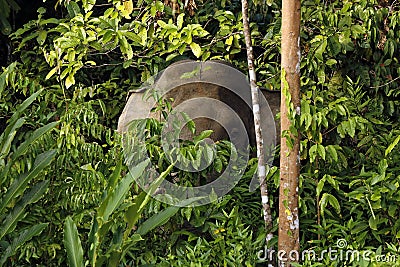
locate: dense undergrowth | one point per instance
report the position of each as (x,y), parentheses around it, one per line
(82,60)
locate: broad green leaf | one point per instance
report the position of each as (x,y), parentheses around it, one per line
(87,167)
(331,62)
(4,75)
(112,182)
(41,37)
(323,202)
(72,244)
(196,49)
(179,20)
(51,73)
(320,186)
(108,12)
(392,145)
(69,81)
(133,212)
(93,240)
(332,181)
(10,223)
(182,49)
(73,9)
(128,7)
(305,107)
(341,130)
(161,23)
(49,21)
(378,178)
(332,152)
(218,165)
(321,76)
(357,29)
(373,223)
(209,154)
(313,152)
(157,220)
(125,47)
(163,216)
(345,21)
(108,35)
(387,62)
(352,127)
(334,203)
(321,151)
(382,166)
(171,56)
(206,55)
(328,198)
(320,50)
(229,40)
(392,210)
(341,110)
(143,35)
(202,136)
(115,197)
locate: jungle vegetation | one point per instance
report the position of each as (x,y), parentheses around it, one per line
(67,197)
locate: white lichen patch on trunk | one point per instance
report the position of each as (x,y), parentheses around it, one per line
(298,56)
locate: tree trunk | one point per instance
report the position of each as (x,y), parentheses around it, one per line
(288,240)
(257,124)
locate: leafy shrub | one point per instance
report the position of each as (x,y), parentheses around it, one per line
(15,200)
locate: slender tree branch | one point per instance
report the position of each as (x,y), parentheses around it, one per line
(103,53)
(257,124)
(99,5)
(222,38)
(102,65)
(383,85)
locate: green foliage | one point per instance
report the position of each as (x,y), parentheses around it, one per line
(108,244)
(80,66)
(222,232)
(231,244)
(348,126)
(15,199)
(72,244)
